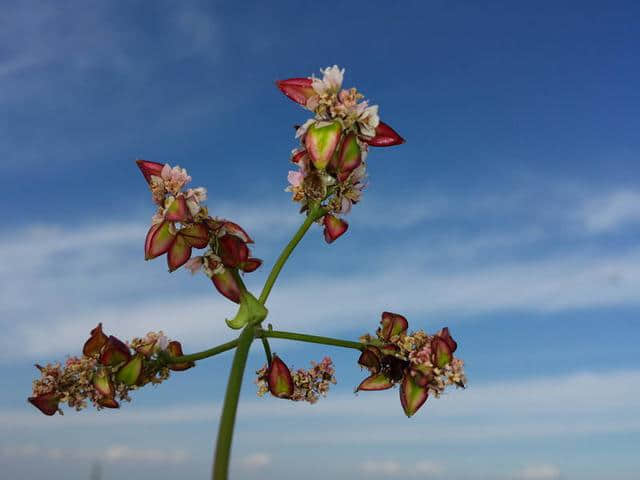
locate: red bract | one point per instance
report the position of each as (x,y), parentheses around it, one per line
(149,168)
(175,350)
(412,395)
(227,285)
(333,227)
(46,403)
(159,239)
(297,89)
(97,340)
(385,137)
(279,379)
(115,352)
(392,325)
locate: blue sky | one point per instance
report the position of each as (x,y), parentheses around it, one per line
(512,215)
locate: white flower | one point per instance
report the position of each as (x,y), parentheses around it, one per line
(331,81)
(174,178)
(194,196)
(369,121)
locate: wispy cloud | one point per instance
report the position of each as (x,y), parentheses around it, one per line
(538,472)
(400,469)
(612,211)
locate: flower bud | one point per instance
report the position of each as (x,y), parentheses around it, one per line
(321,140)
(196,235)
(412,395)
(442,355)
(178,211)
(377,381)
(233,251)
(102,383)
(227,285)
(297,89)
(97,340)
(159,239)
(175,350)
(391,325)
(370,359)
(129,374)
(150,168)
(279,379)
(114,353)
(333,228)
(251,265)
(385,137)
(107,402)
(47,403)
(179,253)
(446,336)
(349,157)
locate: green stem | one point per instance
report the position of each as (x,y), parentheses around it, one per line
(301,337)
(203,354)
(228,417)
(314,214)
(267,350)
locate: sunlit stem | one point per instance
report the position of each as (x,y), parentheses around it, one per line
(301,337)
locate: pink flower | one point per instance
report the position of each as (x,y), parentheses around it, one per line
(194,264)
(174,178)
(295,178)
(331,81)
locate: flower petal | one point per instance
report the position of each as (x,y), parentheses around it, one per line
(412,395)
(385,137)
(377,381)
(333,228)
(159,240)
(96,341)
(227,285)
(321,141)
(179,253)
(279,379)
(149,168)
(297,89)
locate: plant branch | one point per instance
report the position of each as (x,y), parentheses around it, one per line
(201,355)
(314,214)
(228,416)
(301,337)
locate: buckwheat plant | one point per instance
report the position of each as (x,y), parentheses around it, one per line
(329,176)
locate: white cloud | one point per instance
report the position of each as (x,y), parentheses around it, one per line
(538,472)
(403,469)
(256,461)
(612,211)
(112,453)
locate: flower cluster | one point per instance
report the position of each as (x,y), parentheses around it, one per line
(423,364)
(182,223)
(299,385)
(331,159)
(106,373)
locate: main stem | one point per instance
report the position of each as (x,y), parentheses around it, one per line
(228,417)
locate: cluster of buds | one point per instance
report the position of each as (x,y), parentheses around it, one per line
(182,223)
(422,364)
(106,373)
(299,385)
(331,159)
